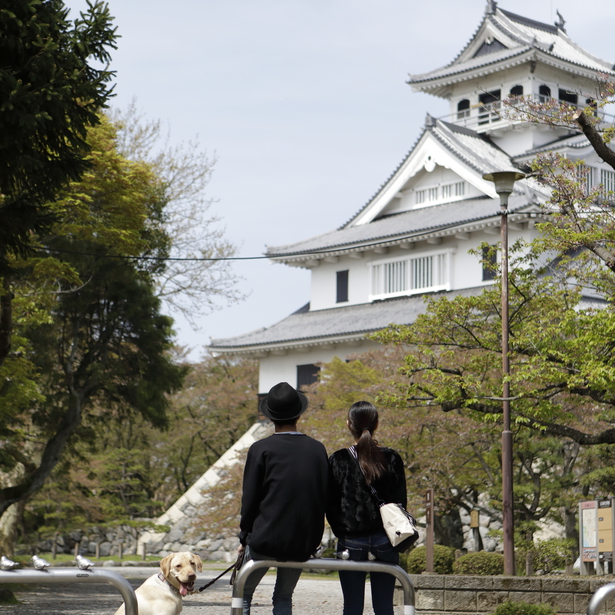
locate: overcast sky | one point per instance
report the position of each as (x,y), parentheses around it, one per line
(305,105)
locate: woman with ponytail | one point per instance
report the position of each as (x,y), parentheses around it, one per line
(353,511)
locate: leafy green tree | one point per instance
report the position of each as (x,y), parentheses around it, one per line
(127,468)
(103,342)
(51,92)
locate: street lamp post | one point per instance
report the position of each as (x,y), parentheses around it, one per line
(504,181)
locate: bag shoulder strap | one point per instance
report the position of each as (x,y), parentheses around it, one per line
(353,452)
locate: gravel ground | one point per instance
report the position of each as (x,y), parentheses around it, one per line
(311,597)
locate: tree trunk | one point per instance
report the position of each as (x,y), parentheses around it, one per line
(25,486)
(9,527)
(449,529)
(6,319)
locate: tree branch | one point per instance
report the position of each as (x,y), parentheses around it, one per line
(594,137)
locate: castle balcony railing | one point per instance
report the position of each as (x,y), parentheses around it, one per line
(483,117)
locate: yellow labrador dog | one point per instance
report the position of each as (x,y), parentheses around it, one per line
(162,593)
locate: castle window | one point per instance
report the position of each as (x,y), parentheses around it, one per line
(567,96)
(607,179)
(426,195)
(450,191)
(342,286)
(586,177)
(516,90)
(463,109)
(306,375)
(490,258)
(544,93)
(408,276)
(490,107)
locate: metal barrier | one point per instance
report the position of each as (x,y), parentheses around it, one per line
(323,564)
(75,575)
(600,595)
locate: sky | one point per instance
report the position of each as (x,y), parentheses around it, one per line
(304,104)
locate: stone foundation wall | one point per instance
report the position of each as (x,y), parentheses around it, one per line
(459,594)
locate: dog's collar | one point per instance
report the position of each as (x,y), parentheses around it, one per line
(164,580)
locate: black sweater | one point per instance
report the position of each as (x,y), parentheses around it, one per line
(284,496)
(352,509)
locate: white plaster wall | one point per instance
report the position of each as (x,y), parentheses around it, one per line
(468,271)
(283,368)
(324,283)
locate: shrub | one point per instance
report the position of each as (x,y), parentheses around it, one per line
(548,555)
(523,608)
(479,562)
(414,561)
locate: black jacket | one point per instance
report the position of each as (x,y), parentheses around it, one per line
(284,497)
(352,509)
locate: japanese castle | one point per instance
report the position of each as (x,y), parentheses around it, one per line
(412,239)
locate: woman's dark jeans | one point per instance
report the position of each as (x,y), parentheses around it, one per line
(353,582)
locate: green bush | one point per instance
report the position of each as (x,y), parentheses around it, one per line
(414,561)
(479,562)
(548,555)
(523,608)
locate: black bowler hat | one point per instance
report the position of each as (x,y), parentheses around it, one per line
(283,403)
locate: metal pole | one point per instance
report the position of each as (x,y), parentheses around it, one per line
(600,595)
(507,479)
(75,575)
(323,564)
(504,181)
(429,530)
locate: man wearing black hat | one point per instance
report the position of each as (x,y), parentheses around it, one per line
(284,496)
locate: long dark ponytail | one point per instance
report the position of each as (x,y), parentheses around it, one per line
(362,422)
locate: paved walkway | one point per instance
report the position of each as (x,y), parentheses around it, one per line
(312,597)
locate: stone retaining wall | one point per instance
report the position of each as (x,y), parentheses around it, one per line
(459,594)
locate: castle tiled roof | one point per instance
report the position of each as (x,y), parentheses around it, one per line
(339,324)
(307,328)
(518,40)
(476,151)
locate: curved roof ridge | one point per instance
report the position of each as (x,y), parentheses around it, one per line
(388,179)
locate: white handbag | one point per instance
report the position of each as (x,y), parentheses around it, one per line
(398,523)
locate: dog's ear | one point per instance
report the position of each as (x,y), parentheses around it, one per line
(199,562)
(165,564)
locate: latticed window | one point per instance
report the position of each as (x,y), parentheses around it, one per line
(463,109)
(489,110)
(450,191)
(585,177)
(607,179)
(410,275)
(544,93)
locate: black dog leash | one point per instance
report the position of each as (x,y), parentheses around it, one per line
(235,566)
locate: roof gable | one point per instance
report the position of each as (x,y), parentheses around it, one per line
(443,156)
(490,45)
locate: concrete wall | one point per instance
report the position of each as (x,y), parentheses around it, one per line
(457,594)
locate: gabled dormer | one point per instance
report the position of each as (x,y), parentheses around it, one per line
(511,55)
